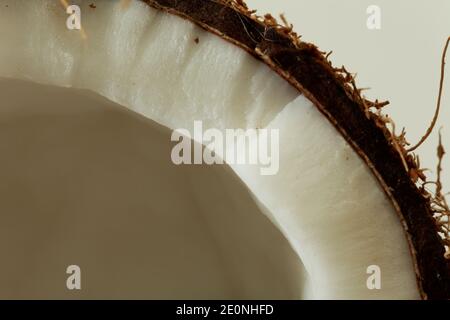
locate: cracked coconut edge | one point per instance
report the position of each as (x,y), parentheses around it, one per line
(276,40)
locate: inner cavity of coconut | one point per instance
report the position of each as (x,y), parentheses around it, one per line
(87,182)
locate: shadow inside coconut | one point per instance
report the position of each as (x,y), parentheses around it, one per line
(86,182)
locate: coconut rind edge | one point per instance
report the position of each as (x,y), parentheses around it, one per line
(334,92)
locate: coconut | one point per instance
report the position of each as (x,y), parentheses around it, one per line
(345,196)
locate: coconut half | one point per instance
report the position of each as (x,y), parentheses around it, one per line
(89,183)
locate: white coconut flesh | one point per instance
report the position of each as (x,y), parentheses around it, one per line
(89,183)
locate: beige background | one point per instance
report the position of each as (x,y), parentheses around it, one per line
(400,62)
